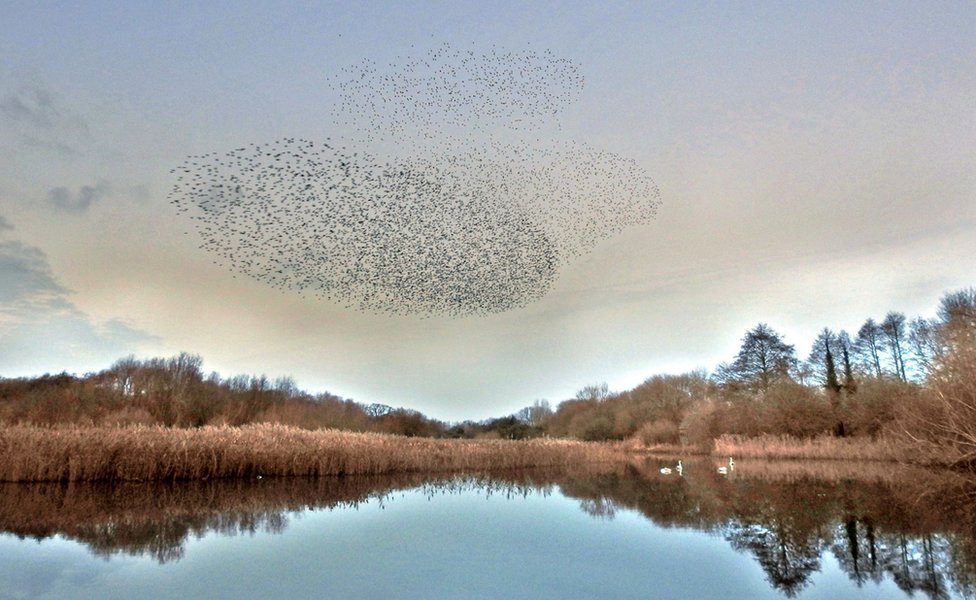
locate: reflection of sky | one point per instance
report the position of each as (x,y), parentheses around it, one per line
(461,545)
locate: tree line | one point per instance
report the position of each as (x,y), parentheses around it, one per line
(914,378)
(175,392)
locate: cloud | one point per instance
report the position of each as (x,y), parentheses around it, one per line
(25,277)
(40,119)
(43,330)
(5,225)
(64,199)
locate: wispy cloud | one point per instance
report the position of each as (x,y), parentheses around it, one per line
(26,278)
(39,118)
(78,201)
(42,329)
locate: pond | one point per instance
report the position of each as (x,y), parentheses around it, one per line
(764,530)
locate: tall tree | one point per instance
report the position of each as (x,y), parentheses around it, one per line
(825,345)
(831,384)
(846,347)
(763,359)
(893,328)
(869,345)
(921,344)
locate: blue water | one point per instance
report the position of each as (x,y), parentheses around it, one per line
(464,541)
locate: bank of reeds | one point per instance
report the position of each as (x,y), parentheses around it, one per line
(143,453)
(830,471)
(819,448)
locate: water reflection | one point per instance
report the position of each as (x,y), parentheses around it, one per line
(917,528)
(156,519)
(914,528)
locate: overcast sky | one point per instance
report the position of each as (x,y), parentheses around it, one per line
(816,165)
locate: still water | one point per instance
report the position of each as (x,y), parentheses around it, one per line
(766,530)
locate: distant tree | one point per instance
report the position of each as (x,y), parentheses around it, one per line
(725,376)
(511,428)
(957,315)
(763,360)
(410,423)
(123,372)
(596,392)
(536,414)
(286,386)
(804,374)
(377,410)
(558,425)
(666,397)
(893,328)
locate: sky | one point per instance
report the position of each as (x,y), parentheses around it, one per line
(816,165)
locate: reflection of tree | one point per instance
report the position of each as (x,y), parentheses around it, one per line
(156,519)
(601,508)
(785,525)
(918,563)
(914,562)
(786,555)
(963,565)
(875,529)
(855,547)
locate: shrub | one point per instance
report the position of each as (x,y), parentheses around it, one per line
(661,431)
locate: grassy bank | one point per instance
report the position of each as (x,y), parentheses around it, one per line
(159,453)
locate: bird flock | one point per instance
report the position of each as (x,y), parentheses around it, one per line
(450,87)
(427,206)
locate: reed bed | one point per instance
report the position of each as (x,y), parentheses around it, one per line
(830,471)
(141,453)
(820,448)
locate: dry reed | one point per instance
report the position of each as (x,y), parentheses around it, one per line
(828,471)
(820,448)
(143,453)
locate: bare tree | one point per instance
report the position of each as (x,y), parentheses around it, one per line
(869,345)
(124,371)
(894,330)
(921,344)
(949,427)
(597,392)
(536,414)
